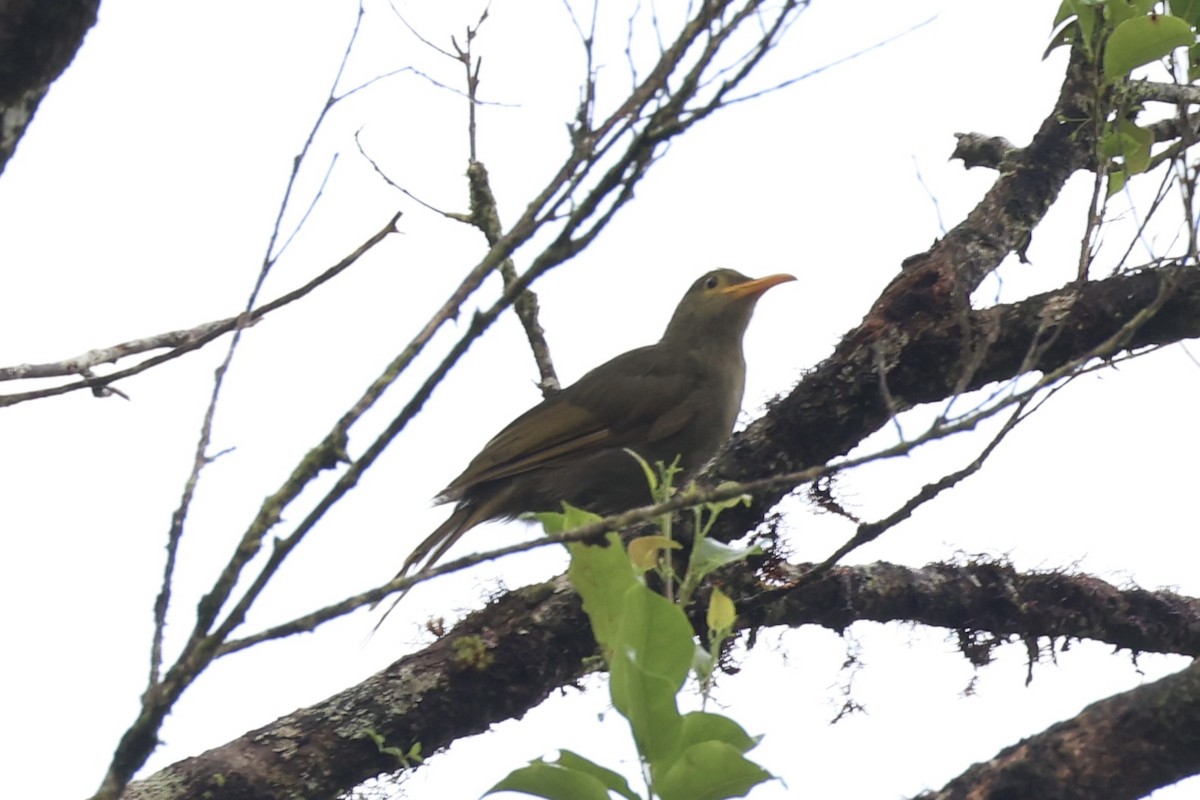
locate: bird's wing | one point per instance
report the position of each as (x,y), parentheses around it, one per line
(637,397)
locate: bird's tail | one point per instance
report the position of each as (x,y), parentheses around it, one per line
(431,549)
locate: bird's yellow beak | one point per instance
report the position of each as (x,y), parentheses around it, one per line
(756,287)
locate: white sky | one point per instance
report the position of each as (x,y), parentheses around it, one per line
(140,201)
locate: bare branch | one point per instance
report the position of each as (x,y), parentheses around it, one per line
(179,342)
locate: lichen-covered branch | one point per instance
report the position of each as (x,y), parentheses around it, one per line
(1122,747)
(536,640)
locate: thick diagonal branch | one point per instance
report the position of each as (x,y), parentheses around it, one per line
(1119,748)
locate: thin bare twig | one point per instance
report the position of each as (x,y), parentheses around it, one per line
(870,531)
(179,342)
(161,694)
(388,180)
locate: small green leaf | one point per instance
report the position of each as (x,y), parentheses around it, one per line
(1141,40)
(556,522)
(552,782)
(1063,37)
(721,613)
(1110,144)
(1116,181)
(710,771)
(703,664)
(1117,11)
(644,550)
(708,555)
(647,470)
(1066,10)
(716,506)
(1132,144)
(1135,146)
(701,726)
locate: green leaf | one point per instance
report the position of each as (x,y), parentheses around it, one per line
(1186,9)
(1064,36)
(1110,144)
(1079,15)
(657,634)
(708,555)
(721,613)
(701,726)
(1066,10)
(1194,62)
(612,780)
(570,518)
(553,782)
(644,550)
(1131,143)
(715,506)
(1087,25)
(1135,146)
(602,576)
(1116,181)
(1117,11)
(647,470)
(651,656)
(1141,40)
(648,702)
(703,664)
(710,771)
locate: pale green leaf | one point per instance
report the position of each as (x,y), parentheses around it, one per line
(1117,11)
(647,470)
(657,634)
(701,726)
(709,555)
(644,550)
(558,522)
(1135,146)
(721,612)
(1116,181)
(1141,40)
(612,780)
(709,770)
(648,702)
(1186,9)
(552,782)
(651,655)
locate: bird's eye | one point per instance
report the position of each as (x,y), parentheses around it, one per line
(711,282)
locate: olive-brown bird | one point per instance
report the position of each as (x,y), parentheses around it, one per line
(679,397)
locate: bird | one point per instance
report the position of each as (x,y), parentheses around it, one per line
(678,398)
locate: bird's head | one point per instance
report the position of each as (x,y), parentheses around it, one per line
(719,304)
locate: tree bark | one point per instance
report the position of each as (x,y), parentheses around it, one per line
(38,39)
(1121,748)
(505,659)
